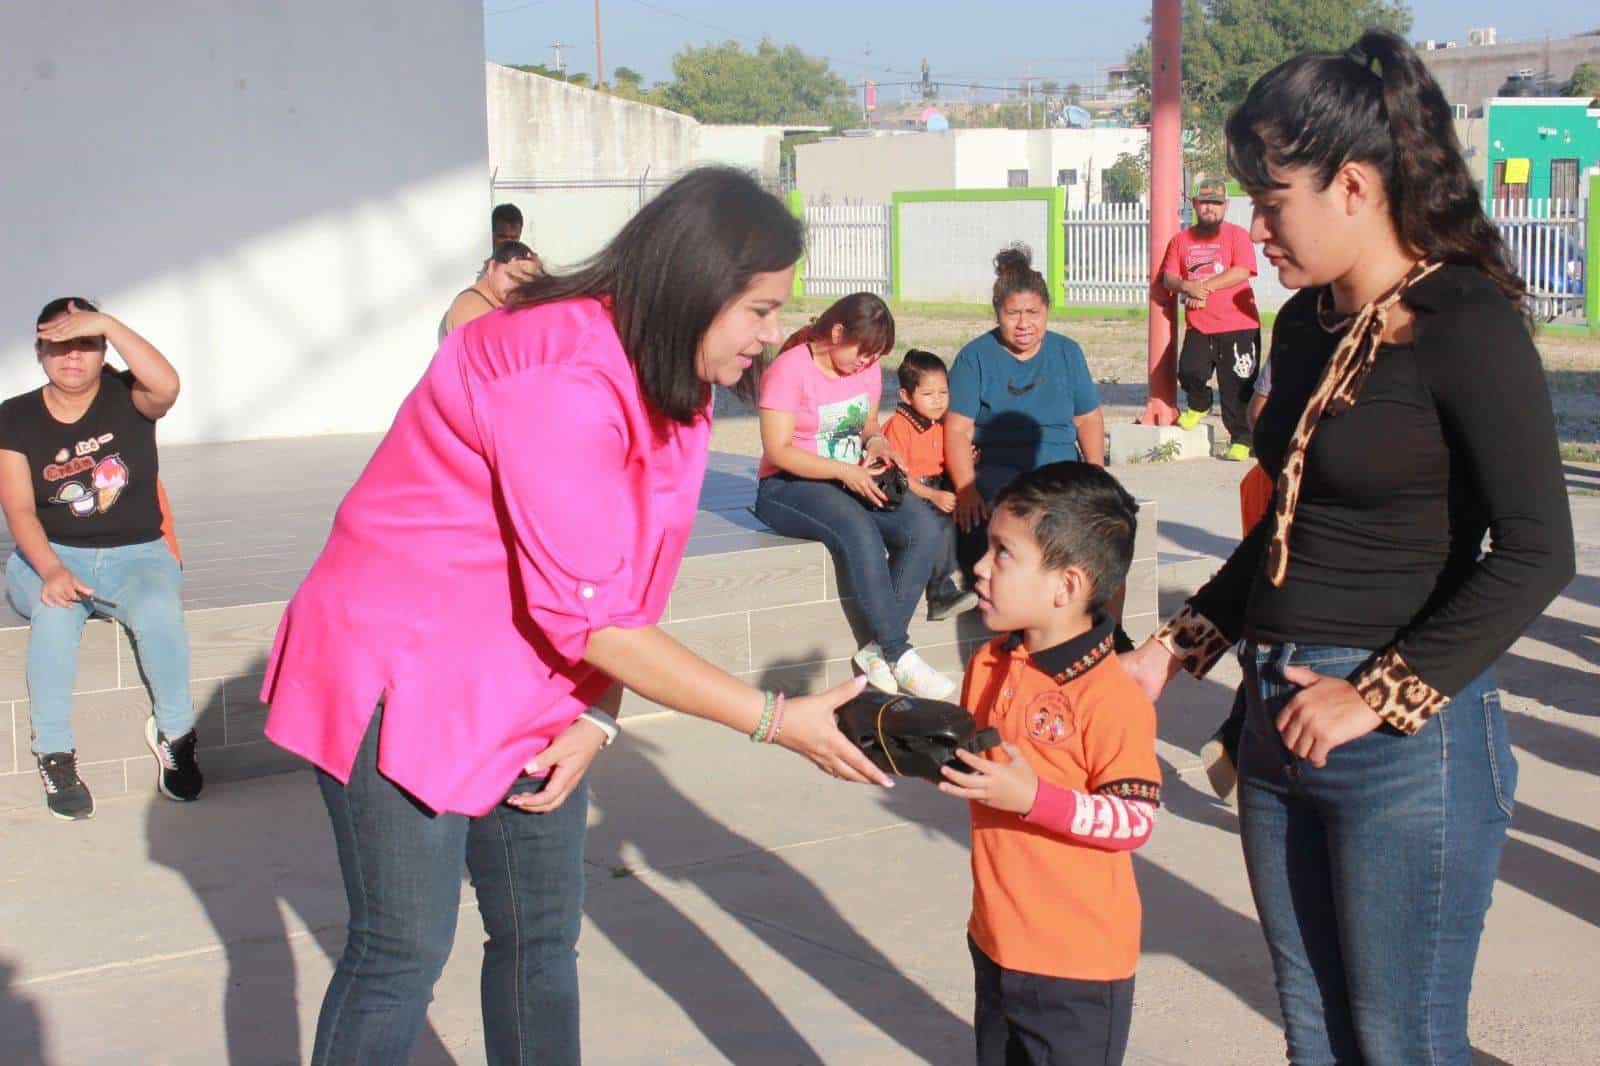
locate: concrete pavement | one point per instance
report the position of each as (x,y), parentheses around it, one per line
(743,909)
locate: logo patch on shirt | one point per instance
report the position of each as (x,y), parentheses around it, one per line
(1049,718)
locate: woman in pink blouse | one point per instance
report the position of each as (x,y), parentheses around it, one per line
(497,569)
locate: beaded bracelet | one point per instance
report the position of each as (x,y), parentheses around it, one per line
(758,735)
(777,721)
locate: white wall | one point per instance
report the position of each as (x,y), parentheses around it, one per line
(871,169)
(282,197)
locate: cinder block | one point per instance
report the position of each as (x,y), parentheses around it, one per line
(1145,536)
(1132,443)
(743,581)
(1143,588)
(239,762)
(8,745)
(722,639)
(23,790)
(105,725)
(97,660)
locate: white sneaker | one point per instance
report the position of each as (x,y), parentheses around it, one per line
(922,680)
(876,667)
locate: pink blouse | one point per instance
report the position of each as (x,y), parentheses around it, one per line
(524,498)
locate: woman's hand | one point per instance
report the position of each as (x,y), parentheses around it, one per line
(1005,786)
(809,729)
(944,501)
(76,324)
(858,479)
(879,449)
(1151,666)
(565,761)
(62,589)
(1326,712)
(970,510)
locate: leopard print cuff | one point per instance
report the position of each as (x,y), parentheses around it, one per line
(1397,694)
(1193,641)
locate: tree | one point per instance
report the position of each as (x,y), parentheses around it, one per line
(1123,181)
(724,83)
(1228,44)
(627,76)
(1585,80)
(1074,93)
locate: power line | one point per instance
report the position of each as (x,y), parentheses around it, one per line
(516,7)
(658,9)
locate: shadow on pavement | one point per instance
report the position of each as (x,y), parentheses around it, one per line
(21,1032)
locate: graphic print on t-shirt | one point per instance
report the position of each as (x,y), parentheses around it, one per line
(1203,261)
(96,494)
(839,428)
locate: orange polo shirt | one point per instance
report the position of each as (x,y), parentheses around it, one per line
(1041,903)
(918,440)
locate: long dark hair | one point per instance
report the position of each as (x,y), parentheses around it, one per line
(866,321)
(1322,110)
(672,268)
(1014,273)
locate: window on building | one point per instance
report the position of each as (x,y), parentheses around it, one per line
(1016,179)
(1067,177)
(1509,182)
(1564,179)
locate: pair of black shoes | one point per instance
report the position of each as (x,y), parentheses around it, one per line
(178,774)
(950,597)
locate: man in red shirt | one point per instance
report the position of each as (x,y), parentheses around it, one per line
(1211,264)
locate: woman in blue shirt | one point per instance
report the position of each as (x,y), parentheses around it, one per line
(1020,394)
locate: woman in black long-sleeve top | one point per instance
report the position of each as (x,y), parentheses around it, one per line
(1409,416)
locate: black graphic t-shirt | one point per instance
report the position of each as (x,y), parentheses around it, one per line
(94,480)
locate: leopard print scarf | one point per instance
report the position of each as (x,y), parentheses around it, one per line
(1336,392)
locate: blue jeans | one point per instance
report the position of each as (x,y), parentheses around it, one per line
(887,588)
(402,877)
(145,584)
(1372,875)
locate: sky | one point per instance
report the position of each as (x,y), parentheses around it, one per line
(886,41)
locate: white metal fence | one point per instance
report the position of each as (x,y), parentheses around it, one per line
(1547,242)
(847,249)
(1108,254)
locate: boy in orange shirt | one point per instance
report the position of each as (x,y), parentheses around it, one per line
(1054,932)
(916,432)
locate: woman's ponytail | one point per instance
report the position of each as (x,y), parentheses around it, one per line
(1433,198)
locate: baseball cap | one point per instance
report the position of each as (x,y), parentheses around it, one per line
(1211,191)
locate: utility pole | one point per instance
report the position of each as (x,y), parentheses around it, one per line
(599,64)
(561,66)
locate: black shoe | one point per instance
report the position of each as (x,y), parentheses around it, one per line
(178,774)
(64,791)
(949,599)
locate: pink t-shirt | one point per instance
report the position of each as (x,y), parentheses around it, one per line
(1196,259)
(829,413)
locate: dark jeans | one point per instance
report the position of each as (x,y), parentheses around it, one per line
(1236,358)
(402,876)
(971,545)
(1372,875)
(1027,1019)
(886,588)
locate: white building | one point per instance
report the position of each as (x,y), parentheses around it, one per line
(282,197)
(870,168)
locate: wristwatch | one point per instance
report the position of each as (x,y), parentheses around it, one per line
(603,722)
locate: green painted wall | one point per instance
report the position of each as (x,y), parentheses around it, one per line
(1541,132)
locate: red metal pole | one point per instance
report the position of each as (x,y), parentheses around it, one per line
(1166,178)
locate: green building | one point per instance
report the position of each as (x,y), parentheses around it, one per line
(1540,147)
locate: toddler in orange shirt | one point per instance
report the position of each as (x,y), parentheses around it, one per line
(916,433)
(1059,807)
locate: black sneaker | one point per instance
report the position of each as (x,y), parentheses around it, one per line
(64,791)
(950,599)
(178,776)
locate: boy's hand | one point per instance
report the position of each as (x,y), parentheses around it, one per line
(945,501)
(1005,786)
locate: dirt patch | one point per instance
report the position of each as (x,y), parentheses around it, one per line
(1116,352)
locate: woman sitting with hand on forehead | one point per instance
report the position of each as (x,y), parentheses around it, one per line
(78,469)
